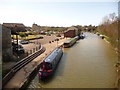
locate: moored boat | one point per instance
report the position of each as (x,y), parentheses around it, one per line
(70,42)
(49,64)
(102,36)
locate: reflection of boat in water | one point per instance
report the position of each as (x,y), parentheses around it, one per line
(70,42)
(47,67)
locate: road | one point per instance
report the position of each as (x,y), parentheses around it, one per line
(37,42)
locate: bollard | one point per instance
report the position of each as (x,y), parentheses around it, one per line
(36,48)
(33,50)
(30,51)
(27,53)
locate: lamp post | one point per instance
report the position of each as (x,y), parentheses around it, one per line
(17,44)
(16,28)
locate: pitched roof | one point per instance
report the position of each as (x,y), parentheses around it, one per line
(72,28)
(13,25)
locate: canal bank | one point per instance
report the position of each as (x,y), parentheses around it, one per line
(117,64)
(87,64)
(24,75)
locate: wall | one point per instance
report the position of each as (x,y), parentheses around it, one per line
(6,44)
(70,33)
(0,57)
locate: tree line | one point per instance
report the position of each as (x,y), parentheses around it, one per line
(109,27)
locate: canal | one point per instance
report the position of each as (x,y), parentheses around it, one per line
(87,64)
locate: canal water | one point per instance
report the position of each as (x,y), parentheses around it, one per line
(87,64)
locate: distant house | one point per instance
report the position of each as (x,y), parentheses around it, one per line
(15,27)
(72,32)
(36,28)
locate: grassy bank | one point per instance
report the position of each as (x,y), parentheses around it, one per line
(111,31)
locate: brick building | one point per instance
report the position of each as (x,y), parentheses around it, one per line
(72,32)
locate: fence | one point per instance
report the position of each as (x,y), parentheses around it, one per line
(20,64)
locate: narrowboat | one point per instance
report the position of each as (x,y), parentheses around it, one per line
(82,36)
(48,66)
(70,42)
(102,36)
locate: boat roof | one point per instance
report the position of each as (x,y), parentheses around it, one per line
(52,55)
(68,41)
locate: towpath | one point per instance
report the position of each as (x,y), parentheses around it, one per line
(20,76)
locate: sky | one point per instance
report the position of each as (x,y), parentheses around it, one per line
(56,12)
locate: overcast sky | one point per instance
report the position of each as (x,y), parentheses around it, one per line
(56,13)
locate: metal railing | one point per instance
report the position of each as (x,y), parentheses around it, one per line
(20,64)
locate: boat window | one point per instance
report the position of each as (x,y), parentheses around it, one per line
(46,66)
(66,43)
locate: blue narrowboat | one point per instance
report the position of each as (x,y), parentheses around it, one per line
(48,66)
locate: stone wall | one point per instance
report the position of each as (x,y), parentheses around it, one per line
(0,42)
(0,57)
(70,33)
(6,44)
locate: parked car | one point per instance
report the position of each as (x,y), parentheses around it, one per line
(18,48)
(23,41)
(40,38)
